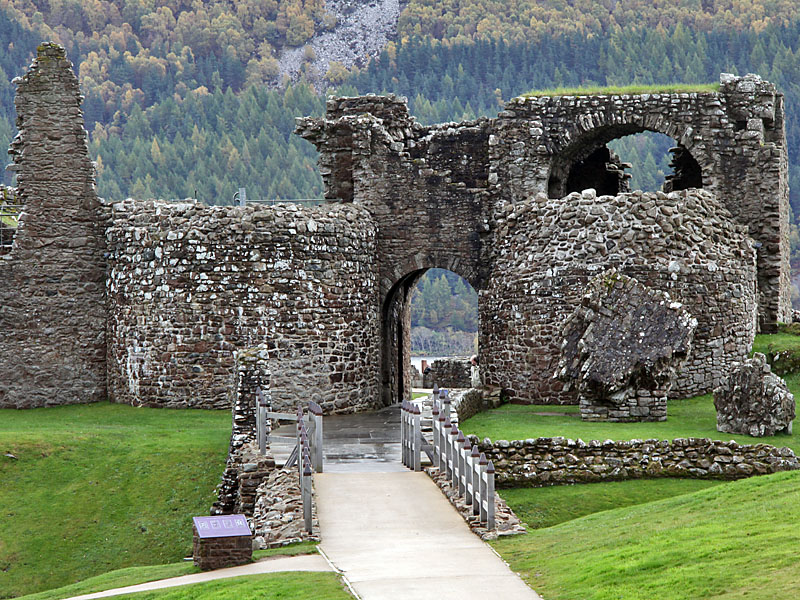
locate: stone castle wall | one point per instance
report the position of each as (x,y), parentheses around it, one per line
(190,284)
(52,282)
(147,302)
(736,135)
(547,251)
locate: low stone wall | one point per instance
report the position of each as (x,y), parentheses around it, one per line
(245,468)
(449,373)
(554,461)
(278,514)
(468,404)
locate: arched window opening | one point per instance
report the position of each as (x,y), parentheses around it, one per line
(618,161)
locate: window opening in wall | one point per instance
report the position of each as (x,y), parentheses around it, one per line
(9,219)
(646,161)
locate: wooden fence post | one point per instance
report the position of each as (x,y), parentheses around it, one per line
(476,481)
(305,490)
(453,454)
(416,440)
(467,472)
(490,495)
(315,411)
(448,426)
(482,462)
(461,463)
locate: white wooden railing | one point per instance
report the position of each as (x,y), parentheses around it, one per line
(307,452)
(471,475)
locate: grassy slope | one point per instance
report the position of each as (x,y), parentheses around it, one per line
(546,507)
(101,487)
(734,540)
(274,586)
(136,575)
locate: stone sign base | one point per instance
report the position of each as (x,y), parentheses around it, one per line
(220,552)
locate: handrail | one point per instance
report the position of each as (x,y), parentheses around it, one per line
(461,463)
(307,451)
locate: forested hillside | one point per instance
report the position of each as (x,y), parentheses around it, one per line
(183,98)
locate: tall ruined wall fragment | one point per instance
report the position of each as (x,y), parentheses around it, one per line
(190,284)
(52,282)
(547,250)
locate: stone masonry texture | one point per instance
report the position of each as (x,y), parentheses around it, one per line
(147,302)
(52,282)
(541,462)
(622,347)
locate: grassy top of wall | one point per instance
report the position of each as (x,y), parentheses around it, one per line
(626,90)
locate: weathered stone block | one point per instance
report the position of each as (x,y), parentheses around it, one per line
(754,401)
(621,349)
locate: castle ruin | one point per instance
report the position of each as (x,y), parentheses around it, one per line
(147,302)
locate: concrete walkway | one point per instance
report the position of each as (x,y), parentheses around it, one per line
(394,535)
(309,562)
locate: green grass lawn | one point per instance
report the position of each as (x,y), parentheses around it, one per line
(101,487)
(272,586)
(136,575)
(734,540)
(695,417)
(549,506)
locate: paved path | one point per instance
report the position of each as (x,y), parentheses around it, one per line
(361,442)
(310,562)
(395,535)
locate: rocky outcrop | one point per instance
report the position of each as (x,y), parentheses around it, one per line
(362,30)
(754,401)
(622,347)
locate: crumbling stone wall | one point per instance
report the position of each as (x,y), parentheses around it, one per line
(327,289)
(52,282)
(426,189)
(190,284)
(621,349)
(554,461)
(736,136)
(449,373)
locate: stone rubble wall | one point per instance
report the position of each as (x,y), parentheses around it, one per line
(278,513)
(621,349)
(52,282)
(754,401)
(190,284)
(555,461)
(546,252)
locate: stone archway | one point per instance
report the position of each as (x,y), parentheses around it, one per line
(396,332)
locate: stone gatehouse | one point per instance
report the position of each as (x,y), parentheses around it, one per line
(146,302)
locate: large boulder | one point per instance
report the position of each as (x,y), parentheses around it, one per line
(621,348)
(754,401)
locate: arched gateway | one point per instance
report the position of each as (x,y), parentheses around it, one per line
(164,304)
